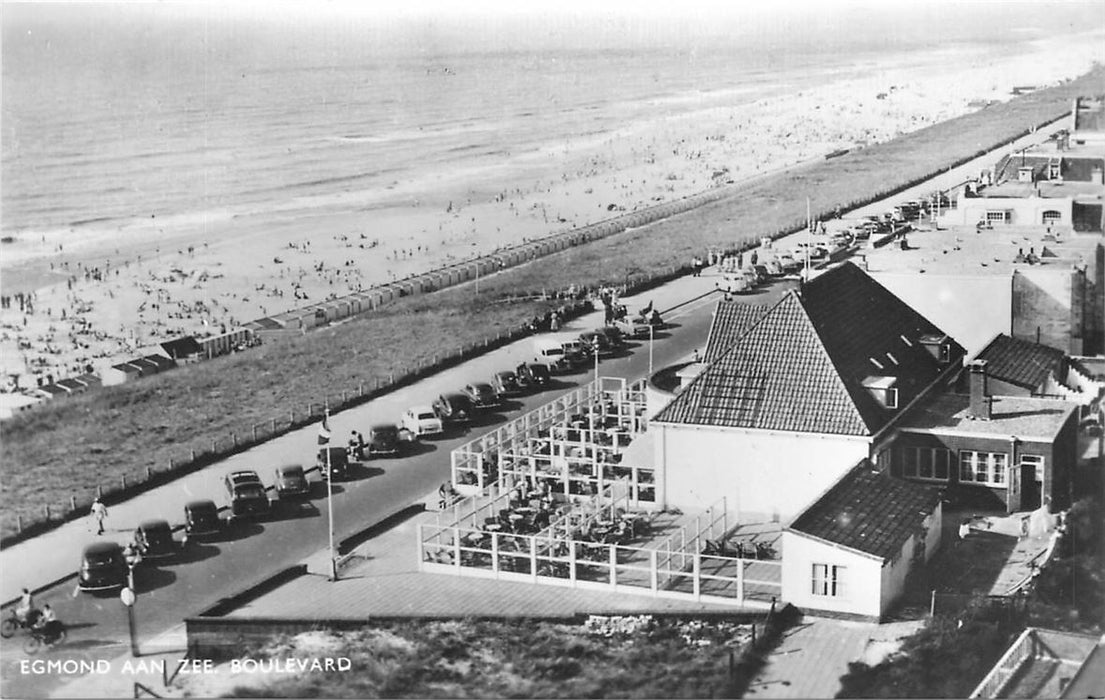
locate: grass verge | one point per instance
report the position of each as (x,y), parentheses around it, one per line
(66,449)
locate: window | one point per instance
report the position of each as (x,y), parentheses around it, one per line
(828,580)
(1052,217)
(985,468)
(997,216)
(925,463)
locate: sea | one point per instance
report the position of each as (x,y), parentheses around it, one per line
(113,114)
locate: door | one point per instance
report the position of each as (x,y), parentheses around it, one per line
(1030,487)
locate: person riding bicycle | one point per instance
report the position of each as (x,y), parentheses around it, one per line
(47,624)
(25,610)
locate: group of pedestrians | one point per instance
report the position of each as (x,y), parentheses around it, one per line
(44,621)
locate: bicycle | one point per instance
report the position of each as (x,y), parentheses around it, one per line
(49,637)
(13,623)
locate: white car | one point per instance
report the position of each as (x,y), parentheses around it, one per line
(421,420)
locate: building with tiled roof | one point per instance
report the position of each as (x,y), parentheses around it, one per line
(851,550)
(1022,368)
(1017,451)
(731,320)
(802,394)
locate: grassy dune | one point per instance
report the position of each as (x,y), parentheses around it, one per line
(69,447)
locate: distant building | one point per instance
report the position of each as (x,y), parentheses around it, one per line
(183,349)
(1047,664)
(852,549)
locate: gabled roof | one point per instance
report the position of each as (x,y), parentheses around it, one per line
(731,320)
(802,366)
(1021,362)
(182,347)
(868,511)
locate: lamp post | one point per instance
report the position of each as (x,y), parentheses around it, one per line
(324,442)
(650,331)
(128,598)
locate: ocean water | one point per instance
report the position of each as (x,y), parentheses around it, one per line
(111,118)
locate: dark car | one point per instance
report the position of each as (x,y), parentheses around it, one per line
(506,384)
(613,335)
(481,395)
(333,459)
(596,341)
(386,439)
(154,539)
(533,375)
(291,481)
(453,408)
(201,518)
(103,567)
(247,494)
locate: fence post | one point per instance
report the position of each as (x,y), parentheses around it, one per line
(234,438)
(291,417)
(213,445)
(123,480)
(46,511)
(99,491)
(193,454)
(149,472)
(255,432)
(72,503)
(273,424)
(18,523)
(170,464)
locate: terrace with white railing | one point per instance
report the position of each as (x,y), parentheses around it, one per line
(550,502)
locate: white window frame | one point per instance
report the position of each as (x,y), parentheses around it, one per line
(997,215)
(827,580)
(1038,462)
(983,468)
(1051,216)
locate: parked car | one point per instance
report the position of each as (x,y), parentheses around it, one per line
(550,352)
(386,439)
(247,494)
(453,408)
(506,383)
(762,275)
(291,481)
(613,335)
(533,375)
(633,327)
(481,395)
(575,353)
(332,460)
(154,539)
(596,341)
(738,281)
(201,518)
(103,567)
(421,421)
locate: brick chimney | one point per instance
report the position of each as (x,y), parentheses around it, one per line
(979,407)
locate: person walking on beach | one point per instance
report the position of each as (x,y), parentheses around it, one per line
(99,512)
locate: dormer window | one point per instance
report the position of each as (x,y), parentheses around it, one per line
(939,346)
(883,390)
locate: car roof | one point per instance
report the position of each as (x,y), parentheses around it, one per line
(505,373)
(200,505)
(154,524)
(384,426)
(243,475)
(454,396)
(480,385)
(285,468)
(103,548)
(421,408)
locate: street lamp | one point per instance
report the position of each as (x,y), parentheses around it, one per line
(128,598)
(650,331)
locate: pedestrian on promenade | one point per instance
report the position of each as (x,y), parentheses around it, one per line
(99,512)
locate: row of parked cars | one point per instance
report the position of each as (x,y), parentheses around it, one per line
(106,565)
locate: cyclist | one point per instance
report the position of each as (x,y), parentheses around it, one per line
(25,611)
(47,624)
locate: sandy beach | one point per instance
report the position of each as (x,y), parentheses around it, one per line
(119,288)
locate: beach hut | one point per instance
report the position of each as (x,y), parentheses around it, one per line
(12,404)
(72,385)
(120,374)
(185,349)
(162,363)
(50,391)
